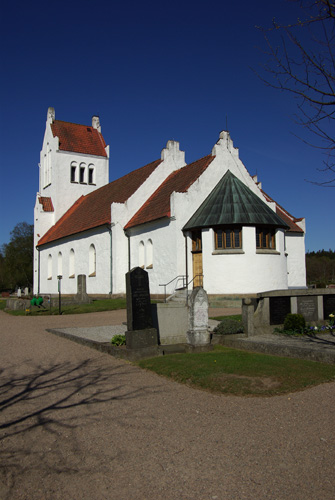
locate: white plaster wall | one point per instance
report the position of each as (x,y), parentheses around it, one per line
(296,265)
(166,264)
(100,284)
(248,272)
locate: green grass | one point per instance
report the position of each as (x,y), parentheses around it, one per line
(238,317)
(95,306)
(2,304)
(231,371)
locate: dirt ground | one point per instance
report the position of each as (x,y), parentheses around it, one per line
(81,425)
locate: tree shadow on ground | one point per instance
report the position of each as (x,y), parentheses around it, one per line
(42,395)
(329,340)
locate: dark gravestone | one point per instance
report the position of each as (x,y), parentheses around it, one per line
(279,308)
(308,307)
(328,305)
(81,288)
(140,332)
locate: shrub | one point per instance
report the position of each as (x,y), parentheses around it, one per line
(294,323)
(119,340)
(228,326)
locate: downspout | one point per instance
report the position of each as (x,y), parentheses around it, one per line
(186,264)
(128,236)
(111,257)
(38,270)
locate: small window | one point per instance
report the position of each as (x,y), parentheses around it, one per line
(90,176)
(149,254)
(196,241)
(92,261)
(82,175)
(141,255)
(228,238)
(71,264)
(73,172)
(266,238)
(49,267)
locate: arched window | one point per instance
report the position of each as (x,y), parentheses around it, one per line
(49,267)
(141,257)
(92,261)
(71,264)
(60,264)
(91,174)
(82,173)
(149,252)
(73,172)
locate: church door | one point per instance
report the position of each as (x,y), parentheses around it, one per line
(197,258)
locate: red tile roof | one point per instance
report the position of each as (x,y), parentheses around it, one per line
(46,203)
(79,138)
(94,209)
(283,214)
(158,205)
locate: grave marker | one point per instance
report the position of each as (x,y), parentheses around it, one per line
(308,307)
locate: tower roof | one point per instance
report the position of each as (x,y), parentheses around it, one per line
(232,202)
(79,138)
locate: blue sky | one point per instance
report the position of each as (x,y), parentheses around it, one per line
(153,71)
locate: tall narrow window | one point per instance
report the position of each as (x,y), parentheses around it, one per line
(228,238)
(49,267)
(71,264)
(265,238)
(82,169)
(60,264)
(92,261)
(141,255)
(91,174)
(149,252)
(73,172)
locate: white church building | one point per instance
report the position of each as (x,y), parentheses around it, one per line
(208,222)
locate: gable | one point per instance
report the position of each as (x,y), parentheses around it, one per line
(232,202)
(79,138)
(94,209)
(158,205)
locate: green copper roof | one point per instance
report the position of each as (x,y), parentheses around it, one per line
(232,202)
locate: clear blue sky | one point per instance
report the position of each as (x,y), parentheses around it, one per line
(152,71)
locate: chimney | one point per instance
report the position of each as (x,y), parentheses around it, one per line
(96,123)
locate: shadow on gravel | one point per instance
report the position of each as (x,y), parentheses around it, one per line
(44,396)
(311,337)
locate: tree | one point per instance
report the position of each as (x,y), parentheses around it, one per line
(16,257)
(301,61)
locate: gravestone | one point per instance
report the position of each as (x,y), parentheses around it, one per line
(198,333)
(279,308)
(328,305)
(26,291)
(81,288)
(140,333)
(308,307)
(19,292)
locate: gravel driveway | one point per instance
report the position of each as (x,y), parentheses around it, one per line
(79,424)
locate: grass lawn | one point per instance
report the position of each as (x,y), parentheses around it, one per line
(95,306)
(237,317)
(241,373)
(2,304)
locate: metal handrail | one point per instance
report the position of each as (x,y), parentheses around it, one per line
(185,284)
(180,276)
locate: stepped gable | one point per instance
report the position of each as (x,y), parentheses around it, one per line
(46,203)
(158,205)
(232,202)
(287,217)
(94,209)
(79,138)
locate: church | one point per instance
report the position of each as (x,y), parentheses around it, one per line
(206,223)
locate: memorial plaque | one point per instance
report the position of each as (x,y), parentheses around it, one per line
(138,300)
(328,305)
(308,307)
(279,308)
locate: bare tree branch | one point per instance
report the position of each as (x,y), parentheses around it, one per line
(301,61)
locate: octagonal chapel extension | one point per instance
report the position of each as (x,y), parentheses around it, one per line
(209,220)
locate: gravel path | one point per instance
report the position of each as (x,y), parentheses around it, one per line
(79,424)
